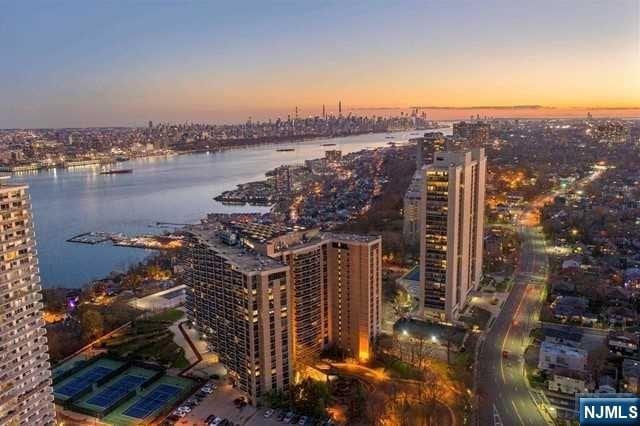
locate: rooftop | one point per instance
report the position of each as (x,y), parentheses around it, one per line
(243,258)
(260,231)
(350,237)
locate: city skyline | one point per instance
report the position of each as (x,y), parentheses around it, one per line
(107,65)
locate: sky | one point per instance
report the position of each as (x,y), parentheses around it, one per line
(106,63)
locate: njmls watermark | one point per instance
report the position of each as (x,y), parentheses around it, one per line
(609,409)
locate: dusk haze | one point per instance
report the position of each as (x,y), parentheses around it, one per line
(82,64)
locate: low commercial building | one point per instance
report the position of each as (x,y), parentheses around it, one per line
(623,343)
(570,382)
(554,356)
(162,300)
(631,375)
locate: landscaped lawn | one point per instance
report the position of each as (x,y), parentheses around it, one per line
(150,340)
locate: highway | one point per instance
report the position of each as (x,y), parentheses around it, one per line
(503,393)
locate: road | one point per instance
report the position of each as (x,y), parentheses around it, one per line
(503,392)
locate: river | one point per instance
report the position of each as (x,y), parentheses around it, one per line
(176,189)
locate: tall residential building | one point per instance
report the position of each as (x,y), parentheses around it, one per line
(451,231)
(477,133)
(426,146)
(333,289)
(336,285)
(411,210)
(25,378)
(282,180)
(354,264)
(333,155)
(240,303)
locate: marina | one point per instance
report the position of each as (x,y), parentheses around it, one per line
(153,242)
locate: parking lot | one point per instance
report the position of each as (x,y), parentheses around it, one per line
(221,403)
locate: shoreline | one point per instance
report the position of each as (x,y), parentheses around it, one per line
(239,144)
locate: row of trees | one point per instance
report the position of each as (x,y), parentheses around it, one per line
(309,397)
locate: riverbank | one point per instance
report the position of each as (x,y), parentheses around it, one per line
(174,189)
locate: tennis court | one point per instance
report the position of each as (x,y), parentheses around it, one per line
(153,401)
(147,405)
(85,378)
(111,394)
(103,399)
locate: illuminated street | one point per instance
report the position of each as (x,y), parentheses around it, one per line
(503,392)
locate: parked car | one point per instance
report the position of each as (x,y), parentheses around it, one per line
(288,417)
(268,413)
(303,420)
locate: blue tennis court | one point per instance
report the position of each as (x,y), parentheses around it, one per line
(153,401)
(83,381)
(112,393)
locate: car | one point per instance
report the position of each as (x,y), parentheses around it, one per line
(268,413)
(210,418)
(185,409)
(303,420)
(288,417)
(281,415)
(294,419)
(216,421)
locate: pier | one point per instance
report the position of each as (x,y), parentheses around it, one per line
(90,238)
(154,242)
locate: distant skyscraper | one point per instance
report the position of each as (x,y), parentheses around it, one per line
(333,155)
(150,125)
(25,378)
(283,181)
(340,108)
(324,113)
(426,146)
(451,231)
(477,133)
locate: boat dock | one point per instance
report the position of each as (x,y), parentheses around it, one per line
(155,242)
(90,238)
